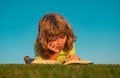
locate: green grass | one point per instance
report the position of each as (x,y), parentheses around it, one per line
(59,71)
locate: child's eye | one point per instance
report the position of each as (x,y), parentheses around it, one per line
(62,37)
(55,38)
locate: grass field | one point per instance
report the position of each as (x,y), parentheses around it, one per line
(59,71)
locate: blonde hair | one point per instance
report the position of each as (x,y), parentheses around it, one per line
(52,25)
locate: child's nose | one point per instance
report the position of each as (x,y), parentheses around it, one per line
(59,41)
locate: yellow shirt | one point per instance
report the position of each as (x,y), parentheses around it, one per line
(62,57)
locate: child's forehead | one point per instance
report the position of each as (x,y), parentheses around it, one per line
(55,33)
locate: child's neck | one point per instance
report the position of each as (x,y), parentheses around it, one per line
(54,56)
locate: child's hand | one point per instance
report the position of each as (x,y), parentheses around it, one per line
(73,57)
(53,48)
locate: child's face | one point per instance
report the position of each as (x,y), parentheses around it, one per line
(57,44)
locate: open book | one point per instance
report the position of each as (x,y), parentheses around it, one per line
(66,63)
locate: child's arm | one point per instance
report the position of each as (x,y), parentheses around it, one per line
(72,55)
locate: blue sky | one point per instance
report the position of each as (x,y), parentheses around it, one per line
(96,24)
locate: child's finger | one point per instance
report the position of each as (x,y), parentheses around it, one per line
(73,57)
(52,48)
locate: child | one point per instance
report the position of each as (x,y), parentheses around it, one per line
(55,39)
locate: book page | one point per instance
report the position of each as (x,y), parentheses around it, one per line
(78,62)
(66,63)
(45,62)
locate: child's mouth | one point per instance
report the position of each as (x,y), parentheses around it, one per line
(59,47)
